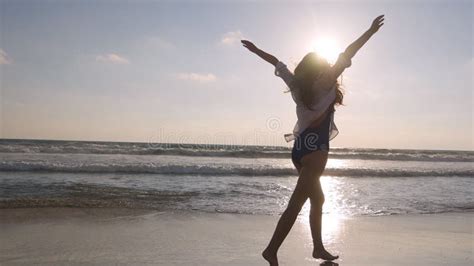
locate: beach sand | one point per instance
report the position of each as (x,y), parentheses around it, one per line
(137,237)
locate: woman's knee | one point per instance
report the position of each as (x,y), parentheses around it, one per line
(317,199)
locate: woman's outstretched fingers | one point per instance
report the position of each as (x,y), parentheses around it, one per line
(377,23)
(249,45)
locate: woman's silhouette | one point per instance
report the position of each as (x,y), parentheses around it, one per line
(315,90)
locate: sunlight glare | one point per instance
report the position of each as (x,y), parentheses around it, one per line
(337,163)
(327,48)
(332,214)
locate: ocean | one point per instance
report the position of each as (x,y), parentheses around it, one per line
(228,178)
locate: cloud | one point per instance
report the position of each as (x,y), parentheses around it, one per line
(112,58)
(232,37)
(197,77)
(4,59)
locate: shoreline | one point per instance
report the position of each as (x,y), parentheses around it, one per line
(32,212)
(129,236)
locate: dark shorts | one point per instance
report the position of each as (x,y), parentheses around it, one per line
(310,140)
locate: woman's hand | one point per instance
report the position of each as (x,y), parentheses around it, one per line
(376,24)
(249,45)
(262,54)
(352,49)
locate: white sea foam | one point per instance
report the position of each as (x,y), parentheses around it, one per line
(236,151)
(356,181)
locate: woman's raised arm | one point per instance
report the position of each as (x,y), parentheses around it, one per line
(345,59)
(262,54)
(352,49)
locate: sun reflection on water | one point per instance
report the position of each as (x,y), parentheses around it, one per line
(332,212)
(337,163)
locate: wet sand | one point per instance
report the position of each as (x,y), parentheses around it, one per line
(60,236)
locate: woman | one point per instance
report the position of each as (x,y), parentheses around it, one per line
(315,90)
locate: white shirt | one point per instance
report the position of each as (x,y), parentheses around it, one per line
(325,88)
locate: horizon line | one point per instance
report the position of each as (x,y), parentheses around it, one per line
(249,145)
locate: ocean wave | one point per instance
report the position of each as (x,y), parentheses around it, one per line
(38,195)
(218,170)
(237,151)
(164,206)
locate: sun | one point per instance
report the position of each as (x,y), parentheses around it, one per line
(327,48)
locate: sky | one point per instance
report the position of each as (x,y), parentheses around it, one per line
(174,71)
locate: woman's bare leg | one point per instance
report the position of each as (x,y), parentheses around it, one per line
(317,161)
(315,221)
(288,218)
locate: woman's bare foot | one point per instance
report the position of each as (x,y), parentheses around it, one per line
(323,254)
(271,257)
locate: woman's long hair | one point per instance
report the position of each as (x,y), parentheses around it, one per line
(308,70)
